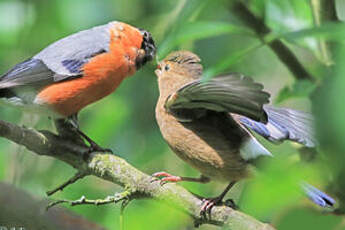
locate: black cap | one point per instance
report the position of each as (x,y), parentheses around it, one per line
(148,45)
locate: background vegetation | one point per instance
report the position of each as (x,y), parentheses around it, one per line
(125,120)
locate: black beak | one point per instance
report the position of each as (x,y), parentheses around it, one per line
(148,45)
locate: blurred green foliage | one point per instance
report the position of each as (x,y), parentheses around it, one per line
(125,120)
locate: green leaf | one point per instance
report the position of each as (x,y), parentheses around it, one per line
(199,30)
(288,15)
(292,15)
(267,192)
(303,218)
(340,9)
(330,31)
(302,88)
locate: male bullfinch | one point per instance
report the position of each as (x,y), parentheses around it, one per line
(208,124)
(76,71)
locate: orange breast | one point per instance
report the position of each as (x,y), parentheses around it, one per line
(101,75)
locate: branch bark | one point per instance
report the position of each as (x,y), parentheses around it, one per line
(278,47)
(114,169)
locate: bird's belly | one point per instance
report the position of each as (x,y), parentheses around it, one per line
(211,156)
(216,166)
(101,77)
(69,97)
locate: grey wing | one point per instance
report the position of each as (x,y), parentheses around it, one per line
(62,60)
(284,124)
(31,71)
(66,56)
(232,93)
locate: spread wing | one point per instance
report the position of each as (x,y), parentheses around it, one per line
(233,93)
(284,124)
(61,60)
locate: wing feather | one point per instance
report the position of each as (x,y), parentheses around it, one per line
(284,124)
(76,49)
(232,93)
(31,71)
(62,60)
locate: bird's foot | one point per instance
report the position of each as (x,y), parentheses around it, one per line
(96,148)
(209,203)
(165,177)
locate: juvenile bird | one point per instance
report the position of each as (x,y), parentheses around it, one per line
(207,124)
(76,71)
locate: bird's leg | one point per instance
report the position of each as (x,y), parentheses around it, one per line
(69,128)
(166,177)
(94,147)
(209,203)
(68,131)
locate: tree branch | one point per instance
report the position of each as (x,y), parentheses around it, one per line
(278,47)
(114,169)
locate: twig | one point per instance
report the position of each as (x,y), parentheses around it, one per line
(72,180)
(83,201)
(278,47)
(124,204)
(116,170)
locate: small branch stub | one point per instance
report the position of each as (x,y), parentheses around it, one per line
(72,180)
(83,201)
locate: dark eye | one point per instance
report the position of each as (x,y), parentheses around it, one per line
(166,67)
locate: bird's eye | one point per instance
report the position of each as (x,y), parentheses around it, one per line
(166,67)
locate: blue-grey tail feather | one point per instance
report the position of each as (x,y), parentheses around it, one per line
(284,124)
(318,197)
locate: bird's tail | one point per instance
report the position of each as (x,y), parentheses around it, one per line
(6,93)
(318,197)
(291,124)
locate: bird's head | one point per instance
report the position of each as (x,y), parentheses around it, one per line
(177,69)
(184,63)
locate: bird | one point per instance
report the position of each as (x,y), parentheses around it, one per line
(76,71)
(210,124)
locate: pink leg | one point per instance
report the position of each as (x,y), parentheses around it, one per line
(167,177)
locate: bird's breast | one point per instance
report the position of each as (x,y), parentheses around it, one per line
(202,146)
(101,76)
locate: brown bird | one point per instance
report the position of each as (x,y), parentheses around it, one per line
(207,124)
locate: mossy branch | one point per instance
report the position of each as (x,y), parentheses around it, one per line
(114,169)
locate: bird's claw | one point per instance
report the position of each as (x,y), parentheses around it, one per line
(231,204)
(97,148)
(208,204)
(165,177)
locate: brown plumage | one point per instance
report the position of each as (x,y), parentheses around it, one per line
(207,123)
(209,141)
